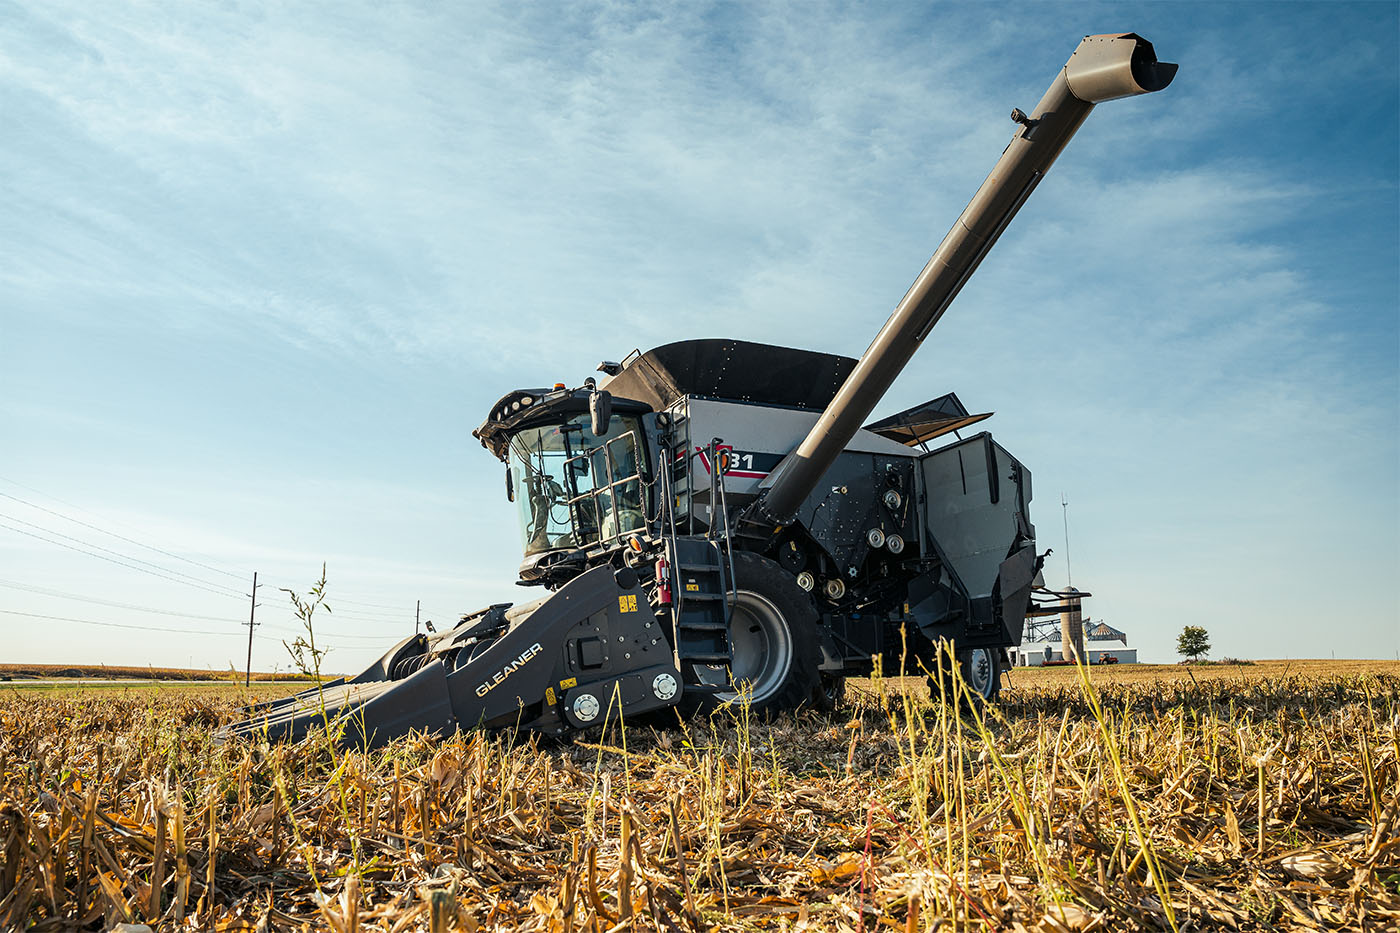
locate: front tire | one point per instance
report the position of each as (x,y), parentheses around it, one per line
(773,639)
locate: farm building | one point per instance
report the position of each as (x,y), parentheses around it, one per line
(1035,655)
(1100,641)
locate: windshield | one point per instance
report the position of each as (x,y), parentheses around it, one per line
(574,488)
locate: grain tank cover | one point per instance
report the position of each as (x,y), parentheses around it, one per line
(923,423)
(732,370)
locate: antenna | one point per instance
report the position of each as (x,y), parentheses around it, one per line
(1064,508)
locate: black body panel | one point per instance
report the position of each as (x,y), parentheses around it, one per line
(596,633)
(735,370)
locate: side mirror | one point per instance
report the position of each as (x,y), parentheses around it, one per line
(600,410)
(510,485)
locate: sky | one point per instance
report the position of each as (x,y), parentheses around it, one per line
(264,266)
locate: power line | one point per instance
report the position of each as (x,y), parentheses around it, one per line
(104,531)
(153,628)
(393,607)
(402,618)
(330,609)
(104,602)
(123,563)
(287,630)
(106,550)
(367,612)
(150,547)
(320,643)
(42,591)
(356,602)
(144,628)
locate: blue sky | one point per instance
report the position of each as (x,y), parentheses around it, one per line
(264,266)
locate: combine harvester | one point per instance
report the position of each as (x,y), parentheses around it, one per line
(714,520)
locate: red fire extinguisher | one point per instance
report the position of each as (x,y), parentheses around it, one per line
(663,581)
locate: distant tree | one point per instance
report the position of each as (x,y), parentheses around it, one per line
(1193,642)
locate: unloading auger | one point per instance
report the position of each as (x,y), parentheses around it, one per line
(714,521)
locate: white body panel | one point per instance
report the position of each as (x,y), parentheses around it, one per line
(764,434)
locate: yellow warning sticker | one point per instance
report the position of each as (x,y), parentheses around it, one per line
(692,587)
(627,603)
(549,696)
(568,682)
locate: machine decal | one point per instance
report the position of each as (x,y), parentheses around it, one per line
(499,677)
(747,464)
(627,603)
(549,696)
(568,682)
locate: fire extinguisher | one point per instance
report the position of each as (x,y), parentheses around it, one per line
(663,581)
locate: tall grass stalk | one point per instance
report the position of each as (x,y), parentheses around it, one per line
(1144,840)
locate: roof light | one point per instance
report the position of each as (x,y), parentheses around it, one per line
(558,386)
(527,401)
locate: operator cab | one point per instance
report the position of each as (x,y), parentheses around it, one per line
(578,480)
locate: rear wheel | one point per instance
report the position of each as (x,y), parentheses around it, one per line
(980,669)
(773,639)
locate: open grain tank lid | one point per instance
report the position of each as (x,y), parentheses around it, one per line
(731,370)
(933,418)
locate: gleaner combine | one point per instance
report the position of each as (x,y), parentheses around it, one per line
(714,522)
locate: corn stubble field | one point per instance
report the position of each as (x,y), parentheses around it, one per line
(1243,803)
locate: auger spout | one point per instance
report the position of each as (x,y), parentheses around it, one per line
(1102,68)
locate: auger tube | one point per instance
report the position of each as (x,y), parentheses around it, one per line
(1102,68)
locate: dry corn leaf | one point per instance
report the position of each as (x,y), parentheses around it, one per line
(1315,865)
(1232,829)
(1070,917)
(838,873)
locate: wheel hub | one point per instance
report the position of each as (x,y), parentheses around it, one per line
(980,671)
(762,649)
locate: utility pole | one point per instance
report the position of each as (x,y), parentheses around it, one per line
(252,608)
(417,610)
(1064,507)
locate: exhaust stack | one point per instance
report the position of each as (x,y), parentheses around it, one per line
(1102,68)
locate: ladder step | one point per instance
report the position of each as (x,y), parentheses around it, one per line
(704,568)
(704,627)
(703,596)
(708,658)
